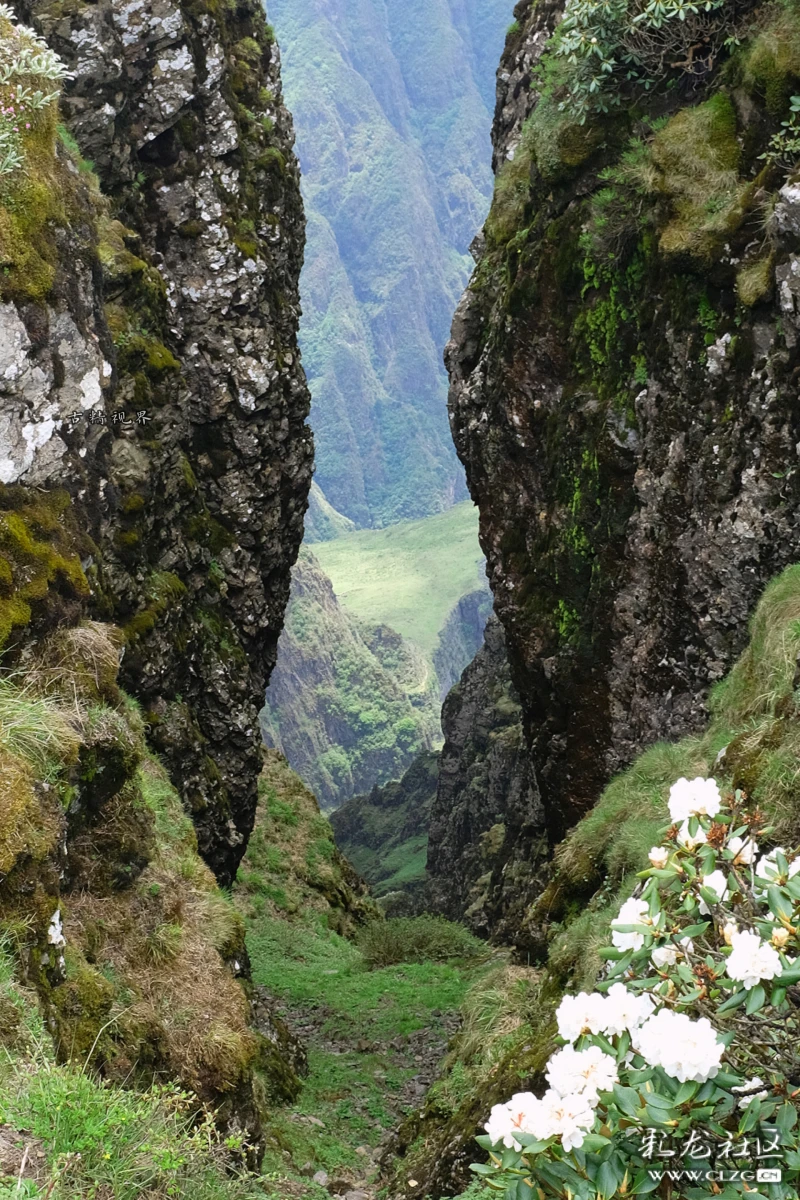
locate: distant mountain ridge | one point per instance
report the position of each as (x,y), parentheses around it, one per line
(392,106)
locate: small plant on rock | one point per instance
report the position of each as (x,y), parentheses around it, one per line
(610,42)
(784,146)
(30,84)
(679,1075)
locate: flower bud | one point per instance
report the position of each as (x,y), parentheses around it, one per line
(659,857)
(780,938)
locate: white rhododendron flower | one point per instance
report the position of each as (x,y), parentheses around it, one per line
(716,882)
(686,1049)
(568,1117)
(728,930)
(651,1014)
(749,1087)
(580,1014)
(690,840)
(665,956)
(590,1071)
(752,960)
(694,798)
(624,1010)
(633,912)
(523,1113)
(744,852)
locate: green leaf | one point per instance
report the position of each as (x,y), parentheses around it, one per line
(778,903)
(530,1144)
(756,999)
(750,1118)
(778,996)
(686,1092)
(627,1100)
(595,1142)
(787,1118)
(659,1115)
(694,931)
(726,1079)
(607,1180)
(735,1001)
(643,1185)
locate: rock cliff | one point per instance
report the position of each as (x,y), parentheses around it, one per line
(624,374)
(487,841)
(461,638)
(150,371)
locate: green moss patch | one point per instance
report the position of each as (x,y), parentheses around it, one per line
(39,556)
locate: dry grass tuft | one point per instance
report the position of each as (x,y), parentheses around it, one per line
(35,728)
(78,665)
(26,826)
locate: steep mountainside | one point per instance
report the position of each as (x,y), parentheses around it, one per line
(385,833)
(487,839)
(392,106)
(150,369)
(461,637)
(349,704)
(623,392)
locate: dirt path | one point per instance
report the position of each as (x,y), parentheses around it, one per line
(399,1071)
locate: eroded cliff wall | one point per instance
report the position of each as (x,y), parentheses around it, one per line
(624,372)
(168,294)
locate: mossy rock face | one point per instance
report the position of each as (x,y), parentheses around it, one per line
(29,828)
(41,578)
(79,1008)
(199,429)
(622,397)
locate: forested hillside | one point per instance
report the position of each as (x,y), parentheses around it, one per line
(392,107)
(379,625)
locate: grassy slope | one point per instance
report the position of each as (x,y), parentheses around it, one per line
(410,575)
(299,897)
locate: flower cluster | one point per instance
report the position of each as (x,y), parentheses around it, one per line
(691,1026)
(686,1049)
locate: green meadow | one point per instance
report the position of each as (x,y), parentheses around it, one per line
(408,576)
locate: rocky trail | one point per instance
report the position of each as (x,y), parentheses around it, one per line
(379,1083)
